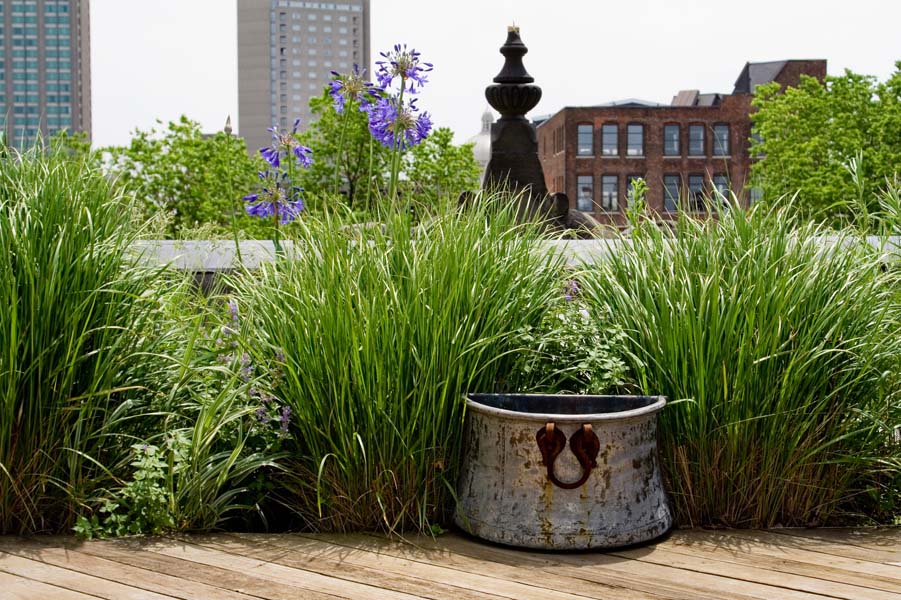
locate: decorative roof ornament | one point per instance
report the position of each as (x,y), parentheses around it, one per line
(513,94)
(514,165)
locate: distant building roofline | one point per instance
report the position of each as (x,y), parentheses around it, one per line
(759,73)
(633,102)
(752,74)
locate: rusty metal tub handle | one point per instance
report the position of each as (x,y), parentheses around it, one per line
(584,443)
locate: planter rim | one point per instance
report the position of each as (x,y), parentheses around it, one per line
(657,404)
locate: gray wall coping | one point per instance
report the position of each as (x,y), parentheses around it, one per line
(210,256)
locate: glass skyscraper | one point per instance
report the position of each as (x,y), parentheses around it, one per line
(45,75)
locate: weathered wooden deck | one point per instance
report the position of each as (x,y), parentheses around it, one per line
(778,564)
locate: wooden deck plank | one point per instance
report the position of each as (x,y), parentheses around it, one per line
(785,581)
(330,560)
(73,580)
(527,567)
(273,572)
(876,538)
(700,565)
(634,574)
(20,588)
(138,577)
(374,557)
(764,548)
(130,552)
(884,547)
(316,548)
(792,542)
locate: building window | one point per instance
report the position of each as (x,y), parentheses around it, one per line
(609,141)
(671,140)
(610,193)
(635,144)
(721,186)
(586,141)
(558,140)
(585,193)
(721,140)
(696,193)
(696,140)
(671,189)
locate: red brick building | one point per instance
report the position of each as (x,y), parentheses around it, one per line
(682,150)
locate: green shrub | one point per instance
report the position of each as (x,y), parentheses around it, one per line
(780,354)
(196,407)
(381,331)
(571,351)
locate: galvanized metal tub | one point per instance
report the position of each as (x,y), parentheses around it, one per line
(562,472)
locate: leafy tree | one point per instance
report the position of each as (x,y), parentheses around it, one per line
(432,170)
(77,145)
(363,163)
(197,179)
(812,134)
(436,169)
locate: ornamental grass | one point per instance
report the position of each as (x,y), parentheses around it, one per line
(69,296)
(382,330)
(780,355)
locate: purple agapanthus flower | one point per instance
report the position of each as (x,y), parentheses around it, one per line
(405,64)
(262,415)
(352,86)
(277,196)
(285,144)
(570,289)
(391,124)
(285,418)
(246,367)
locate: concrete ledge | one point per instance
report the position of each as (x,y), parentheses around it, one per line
(212,256)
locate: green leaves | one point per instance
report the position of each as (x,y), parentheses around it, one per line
(71,302)
(433,170)
(436,170)
(811,133)
(192,178)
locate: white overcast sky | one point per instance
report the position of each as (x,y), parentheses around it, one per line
(160,59)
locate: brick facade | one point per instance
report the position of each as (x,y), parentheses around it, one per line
(559,147)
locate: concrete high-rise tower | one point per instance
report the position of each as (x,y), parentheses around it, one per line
(45,68)
(286,51)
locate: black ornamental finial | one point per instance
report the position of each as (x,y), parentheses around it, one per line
(513,50)
(513,94)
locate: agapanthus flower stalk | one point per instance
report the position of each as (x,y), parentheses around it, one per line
(284,145)
(279,198)
(404,64)
(394,122)
(352,87)
(397,126)
(349,88)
